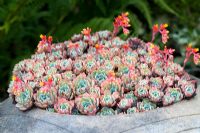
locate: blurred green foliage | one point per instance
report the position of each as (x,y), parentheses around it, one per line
(22,21)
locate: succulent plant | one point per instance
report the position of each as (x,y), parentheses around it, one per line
(132,110)
(155,95)
(106,111)
(175,92)
(111,85)
(63,106)
(125,103)
(81,84)
(65,90)
(87,104)
(100,73)
(145,105)
(141,91)
(99,76)
(108,100)
(25,98)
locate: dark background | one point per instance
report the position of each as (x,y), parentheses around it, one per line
(22,21)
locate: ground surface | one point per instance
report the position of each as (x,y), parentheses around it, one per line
(183,117)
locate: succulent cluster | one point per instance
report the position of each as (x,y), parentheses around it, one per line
(101,74)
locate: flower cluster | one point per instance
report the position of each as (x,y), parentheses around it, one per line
(100,74)
(162,30)
(121,21)
(192,51)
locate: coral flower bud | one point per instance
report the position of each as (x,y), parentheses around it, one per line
(42,84)
(86,31)
(50,39)
(155,28)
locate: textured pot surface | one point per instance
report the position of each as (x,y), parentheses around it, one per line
(180,117)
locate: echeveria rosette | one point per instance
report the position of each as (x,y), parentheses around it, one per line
(114,51)
(132,110)
(78,66)
(125,103)
(156,82)
(87,104)
(102,55)
(107,65)
(174,92)
(158,70)
(90,64)
(45,96)
(130,95)
(66,64)
(105,111)
(65,89)
(145,105)
(63,106)
(176,68)
(99,76)
(95,90)
(127,83)
(74,49)
(129,60)
(155,95)
(39,69)
(82,84)
(188,89)
(141,91)
(168,80)
(144,69)
(169,71)
(122,70)
(24,98)
(111,85)
(108,100)
(68,75)
(167,99)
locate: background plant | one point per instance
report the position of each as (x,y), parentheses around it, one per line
(22,21)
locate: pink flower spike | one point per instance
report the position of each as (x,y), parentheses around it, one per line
(191,51)
(163,31)
(155,30)
(121,21)
(86,31)
(165,36)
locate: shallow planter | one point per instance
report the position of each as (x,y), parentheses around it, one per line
(180,117)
